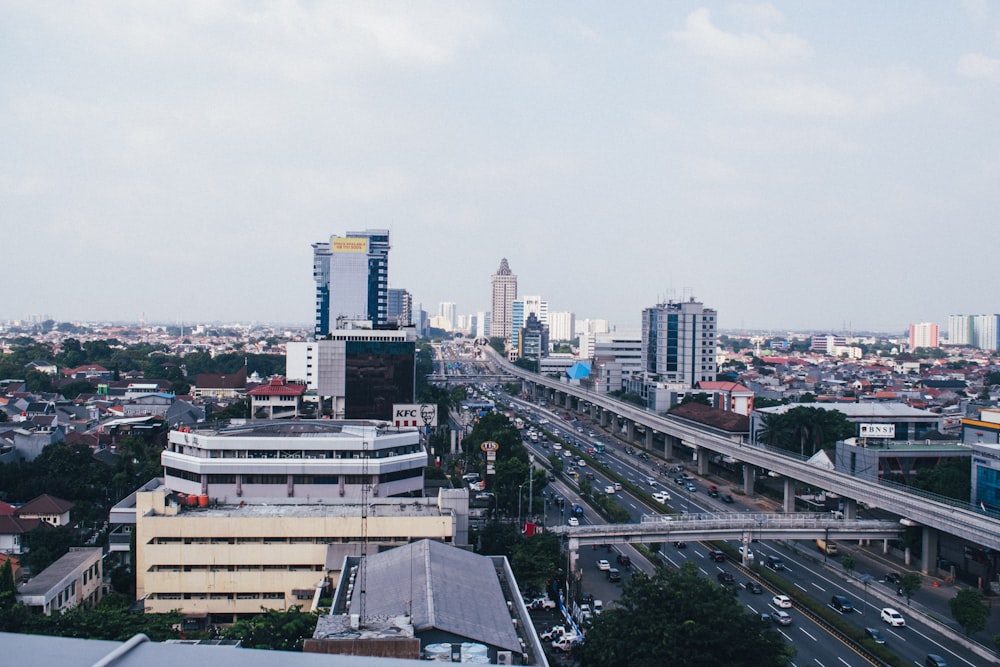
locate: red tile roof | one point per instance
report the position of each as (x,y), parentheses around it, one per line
(45,504)
(278,387)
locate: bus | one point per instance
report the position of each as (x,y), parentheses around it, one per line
(599,448)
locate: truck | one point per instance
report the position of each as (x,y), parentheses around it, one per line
(827,547)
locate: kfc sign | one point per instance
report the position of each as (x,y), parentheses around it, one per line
(415,415)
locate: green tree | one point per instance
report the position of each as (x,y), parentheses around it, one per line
(969,610)
(951,477)
(686,617)
(8,589)
(537,562)
(275,630)
(699,397)
(47,544)
(910,583)
(848,563)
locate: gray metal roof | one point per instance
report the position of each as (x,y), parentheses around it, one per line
(860,410)
(441,587)
(58,571)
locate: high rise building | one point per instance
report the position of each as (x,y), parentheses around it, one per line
(447,310)
(352,280)
(562,326)
(400,306)
(520,310)
(678,342)
(924,334)
(482,324)
(960,330)
(984,331)
(504,286)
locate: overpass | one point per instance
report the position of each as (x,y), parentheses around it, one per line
(474,377)
(726,526)
(933,513)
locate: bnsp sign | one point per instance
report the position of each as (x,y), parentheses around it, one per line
(425,414)
(878,430)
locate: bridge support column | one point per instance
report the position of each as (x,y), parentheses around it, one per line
(929,546)
(788,504)
(595,412)
(607,419)
(850,508)
(629,430)
(668,446)
(749,479)
(702,460)
(649,438)
(567,400)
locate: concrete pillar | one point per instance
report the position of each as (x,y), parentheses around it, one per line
(649,438)
(908,557)
(594,412)
(567,400)
(668,446)
(788,506)
(885,547)
(929,545)
(749,479)
(703,455)
(850,508)
(607,419)
(630,430)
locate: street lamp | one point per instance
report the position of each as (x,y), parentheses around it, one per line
(531,484)
(520,488)
(865,579)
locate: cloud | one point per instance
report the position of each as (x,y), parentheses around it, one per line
(711,170)
(767,48)
(577,29)
(979,66)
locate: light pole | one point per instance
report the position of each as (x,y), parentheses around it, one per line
(866,579)
(531,484)
(520,489)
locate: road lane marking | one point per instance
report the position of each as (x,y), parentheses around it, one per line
(801,588)
(844,661)
(819,587)
(807,634)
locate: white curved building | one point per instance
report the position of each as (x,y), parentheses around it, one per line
(295,461)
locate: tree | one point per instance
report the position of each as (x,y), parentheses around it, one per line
(686,617)
(910,583)
(951,477)
(274,629)
(8,589)
(968,608)
(848,563)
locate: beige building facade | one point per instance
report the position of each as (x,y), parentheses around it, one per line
(223,562)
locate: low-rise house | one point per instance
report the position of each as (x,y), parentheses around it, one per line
(72,581)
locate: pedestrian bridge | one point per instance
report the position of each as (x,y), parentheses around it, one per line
(729,526)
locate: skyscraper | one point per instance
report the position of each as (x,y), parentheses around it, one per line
(352,280)
(447,310)
(504,284)
(678,342)
(520,310)
(923,334)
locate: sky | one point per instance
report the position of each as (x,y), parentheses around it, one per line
(810,166)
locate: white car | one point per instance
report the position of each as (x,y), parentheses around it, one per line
(573,521)
(556,446)
(661,496)
(609,490)
(603,565)
(782,601)
(893,617)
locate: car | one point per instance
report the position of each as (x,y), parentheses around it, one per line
(690,487)
(892,617)
(753,587)
(774,563)
(618,486)
(543,602)
(892,578)
(676,469)
(590,475)
(629,450)
(484,495)
(591,434)
(614,574)
(661,496)
(876,635)
(603,565)
(680,481)
(717,556)
(713,491)
(842,604)
(552,633)
(726,578)
(934,660)
(567,453)
(782,618)
(566,643)
(766,619)
(556,446)
(651,481)
(598,607)
(746,552)
(551,477)
(644,456)
(726,498)
(580,462)
(782,601)
(680,545)
(609,489)
(573,521)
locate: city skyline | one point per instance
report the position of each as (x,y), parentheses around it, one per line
(792,167)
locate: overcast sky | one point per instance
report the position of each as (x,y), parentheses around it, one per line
(822,165)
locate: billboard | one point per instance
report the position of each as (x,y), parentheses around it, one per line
(422,414)
(878,430)
(338,244)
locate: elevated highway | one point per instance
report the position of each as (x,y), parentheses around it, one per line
(951,518)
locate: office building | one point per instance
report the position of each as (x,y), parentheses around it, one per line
(504,291)
(533,339)
(482,324)
(924,334)
(356,373)
(352,280)
(678,343)
(400,307)
(520,310)
(75,580)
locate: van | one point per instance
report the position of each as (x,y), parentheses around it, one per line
(841,604)
(829,548)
